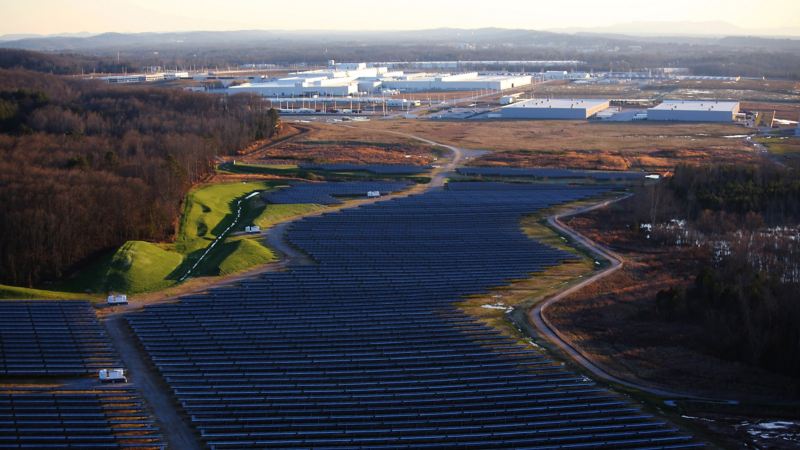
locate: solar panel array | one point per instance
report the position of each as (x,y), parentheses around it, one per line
(382,169)
(61,340)
(103,418)
(550,173)
(326,193)
(367,348)
(51,338)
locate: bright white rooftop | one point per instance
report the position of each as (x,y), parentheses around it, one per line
(696,105)
(558,103)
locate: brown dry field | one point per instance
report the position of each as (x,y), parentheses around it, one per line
(785,111)
(614,322)
(337,143)
(580,144)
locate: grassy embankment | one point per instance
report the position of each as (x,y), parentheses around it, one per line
(139,266)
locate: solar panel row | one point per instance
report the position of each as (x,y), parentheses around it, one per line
(326,193)
(550,173)
(106,418)
(381,169)
(51,338)
(368,349)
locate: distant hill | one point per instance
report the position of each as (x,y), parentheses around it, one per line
(249,38)
(705,33)
(686,29)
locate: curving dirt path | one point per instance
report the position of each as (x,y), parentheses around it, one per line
(538,314)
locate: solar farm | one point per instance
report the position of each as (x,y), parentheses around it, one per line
(360,344)
(365,347)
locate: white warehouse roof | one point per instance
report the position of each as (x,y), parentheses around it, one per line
(694,111)
(560,103)
(696,105)
(566,109)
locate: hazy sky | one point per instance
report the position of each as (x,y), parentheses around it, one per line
(58,16)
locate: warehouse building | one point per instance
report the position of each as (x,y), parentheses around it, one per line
(694,111)
(470,81)
(568,109)
(299,87)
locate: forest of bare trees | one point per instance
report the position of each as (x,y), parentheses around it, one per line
(747,221)
(86,166)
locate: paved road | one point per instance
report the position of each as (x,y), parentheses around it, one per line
(173,426)
(546,329)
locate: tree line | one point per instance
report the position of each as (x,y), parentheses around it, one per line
(747,219)
(86,166)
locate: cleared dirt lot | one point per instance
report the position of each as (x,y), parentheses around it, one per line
(579,144)
(340,143)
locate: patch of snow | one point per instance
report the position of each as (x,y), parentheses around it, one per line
(498,305)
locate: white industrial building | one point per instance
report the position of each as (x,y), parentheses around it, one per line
(352,78)
(470,81)
(146,77)
(569,109)
(299,87)
(694,111)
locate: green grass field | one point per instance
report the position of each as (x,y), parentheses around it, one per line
(782,146)
(315,174)
(273,214)
(21,293)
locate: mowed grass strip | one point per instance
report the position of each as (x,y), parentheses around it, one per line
(21,293)
(276,213)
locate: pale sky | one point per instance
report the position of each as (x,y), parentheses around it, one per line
(59,16)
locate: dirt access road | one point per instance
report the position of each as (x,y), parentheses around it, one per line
(538,314)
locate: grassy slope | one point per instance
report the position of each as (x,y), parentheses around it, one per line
(273,214)
(21,293)
(206,213)
(140,267)
(244,254)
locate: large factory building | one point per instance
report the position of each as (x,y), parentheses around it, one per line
(459,82)
(577,109)
(694,111)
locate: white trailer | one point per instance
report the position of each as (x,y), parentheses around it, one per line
(120,299)
(373,194)
(112,376)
